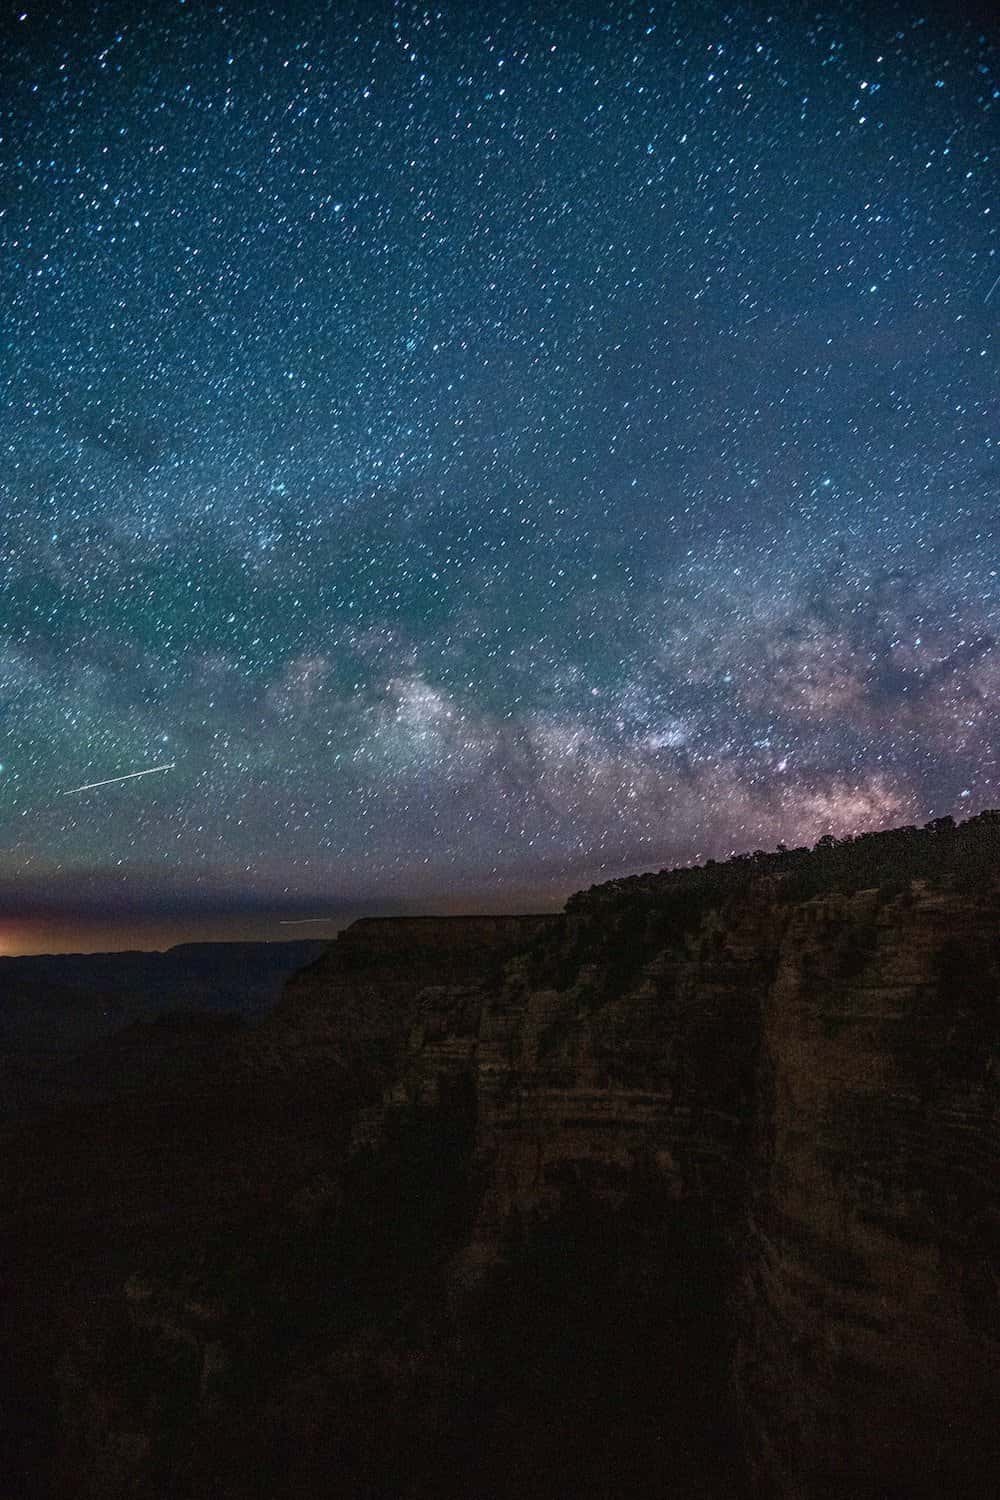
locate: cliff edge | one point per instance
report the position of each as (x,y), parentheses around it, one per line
(691,1190)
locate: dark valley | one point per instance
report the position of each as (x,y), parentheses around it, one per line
(82,1025)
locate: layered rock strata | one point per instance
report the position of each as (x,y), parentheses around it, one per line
(869,1357)
(638,1200)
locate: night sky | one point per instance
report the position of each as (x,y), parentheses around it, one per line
(484,449)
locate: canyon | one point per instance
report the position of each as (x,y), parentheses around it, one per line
(691,1189)
(59,1011)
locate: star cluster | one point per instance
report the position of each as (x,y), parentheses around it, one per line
(485,448)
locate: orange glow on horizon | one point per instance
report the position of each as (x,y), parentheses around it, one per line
(36,938)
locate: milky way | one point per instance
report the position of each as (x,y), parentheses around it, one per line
(489,448)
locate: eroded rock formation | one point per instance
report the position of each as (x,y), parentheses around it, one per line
(658,1197)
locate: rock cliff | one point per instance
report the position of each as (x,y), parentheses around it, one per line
(869,1358)
(691,1190)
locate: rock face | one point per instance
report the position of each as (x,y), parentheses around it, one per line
(349,1009)
(869,1361)
(658,1197)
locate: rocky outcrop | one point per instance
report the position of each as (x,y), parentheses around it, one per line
(664,1196)
(348,1012)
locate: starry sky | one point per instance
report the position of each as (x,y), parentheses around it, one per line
(484,449)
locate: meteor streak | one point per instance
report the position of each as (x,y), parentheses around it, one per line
(89,786)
